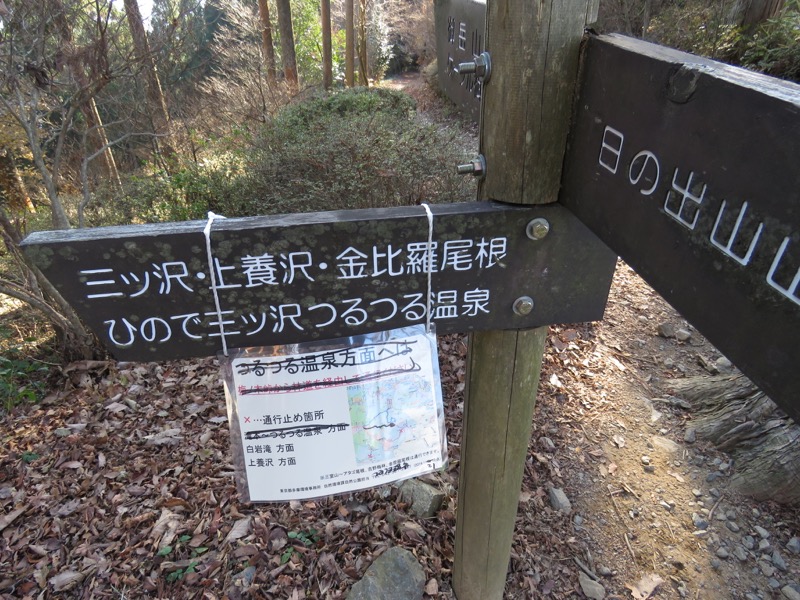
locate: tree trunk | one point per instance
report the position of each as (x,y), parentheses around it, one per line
(363,65)
(88,106)
(12,189)
(77,342)
(749,13)
(99,137)
(736,417)
(267,47)
(287,44)
(327,55)
(155,95)
(349,44)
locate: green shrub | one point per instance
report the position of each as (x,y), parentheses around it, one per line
(701,27)
(21,378)
(774,47)
(355,149)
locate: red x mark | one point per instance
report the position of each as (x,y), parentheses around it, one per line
(247,419)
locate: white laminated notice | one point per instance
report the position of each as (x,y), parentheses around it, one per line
(320,418)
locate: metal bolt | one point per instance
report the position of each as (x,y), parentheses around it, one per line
(523,305)
(537,228)
(481,66)
(477,167)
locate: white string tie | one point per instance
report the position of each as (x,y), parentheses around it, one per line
(430,267)
(211,270)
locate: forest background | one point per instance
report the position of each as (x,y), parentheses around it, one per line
(249,107)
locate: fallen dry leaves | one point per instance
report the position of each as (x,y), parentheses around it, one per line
(120,485)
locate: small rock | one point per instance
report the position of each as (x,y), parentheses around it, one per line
(63,431)
(716,564)
(577,520)
(425,499)
(559,501)
(764,546)
(547,444)
(790,593)
(748,542)
(713,476)
(767,569)
(723,364)
(645,460)
(246,576)
(714,492)
(666,330)
(683,335)
(731,515)
(697,493)
(732,526)
(669,363)
(590,587)
(699,522)
(394,574)
(793,545)
(666,444)
(740,553)
(649,468)
(722,552)
(666,506)
(751,596)
(773,583)
(604,571)
(690,437)
(778,561)
(762,533)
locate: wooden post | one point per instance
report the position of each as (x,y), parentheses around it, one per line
(534,49)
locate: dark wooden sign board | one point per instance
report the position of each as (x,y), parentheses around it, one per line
(146,290)
(460,26)
(690,170)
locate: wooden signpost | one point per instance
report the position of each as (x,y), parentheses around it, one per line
(686,168)
(147,292)
(690,170)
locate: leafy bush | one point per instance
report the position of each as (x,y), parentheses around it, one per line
(702,27)
(21,379)
(774,48)
(353,149)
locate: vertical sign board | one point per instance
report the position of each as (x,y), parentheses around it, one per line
(460,28)
(690,171)
(146,291)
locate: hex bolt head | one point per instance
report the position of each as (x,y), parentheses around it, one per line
(476,167)
(523,305)
(481,66)
(537,228)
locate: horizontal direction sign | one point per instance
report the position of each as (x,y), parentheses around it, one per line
(690,171)
(147,293)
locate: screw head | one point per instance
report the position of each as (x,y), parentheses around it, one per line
(537,229)
(523,305)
